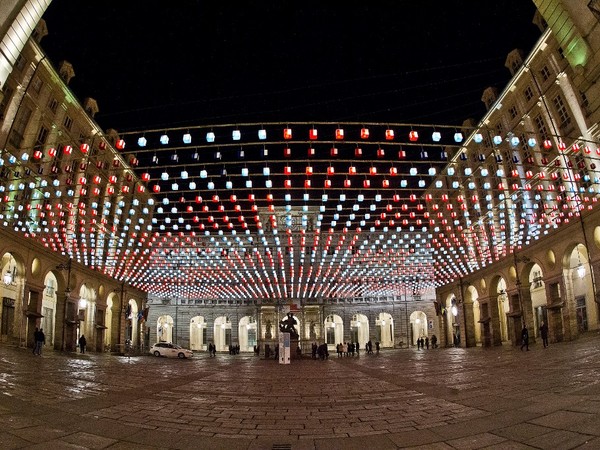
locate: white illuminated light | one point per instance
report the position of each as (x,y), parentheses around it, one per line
(454,310)
(82,303)
(581,271)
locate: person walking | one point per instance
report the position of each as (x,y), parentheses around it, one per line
(525,338)
(40,342)
(544,333)
(433,341)
(82,344)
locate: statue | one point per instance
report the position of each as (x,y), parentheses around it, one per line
(313,333)
(287,326)
(268,334)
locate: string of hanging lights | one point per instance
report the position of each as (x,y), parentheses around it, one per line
(297,210)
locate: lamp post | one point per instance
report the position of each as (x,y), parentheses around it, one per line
(66,267)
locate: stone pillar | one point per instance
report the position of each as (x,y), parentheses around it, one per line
(494,311)
(468,331)
(527,310)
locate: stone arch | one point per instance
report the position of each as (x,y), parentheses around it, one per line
(580,290)
(132,324)
(384,324)
(198,333)
(334,331)
(359,329)
(418,326)
(247,332)
(86,308)
(164,328)
(49,308)
(222,333)
(17,324)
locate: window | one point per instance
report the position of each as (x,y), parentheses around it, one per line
(8,92)
(36,85)
(564,118)
(16,136)
(513,112)
(528,93)
(68,122)
(20,63)
(545,73)
(41,136)
(53,105)
(541,126)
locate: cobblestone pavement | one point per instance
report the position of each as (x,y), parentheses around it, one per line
(498,398)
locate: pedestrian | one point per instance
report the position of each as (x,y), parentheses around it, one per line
(41,341)
(82,344)
(427,342)
(377,347)
(434,341)
(419,344)
(525,338)
(544,333)
(357,349)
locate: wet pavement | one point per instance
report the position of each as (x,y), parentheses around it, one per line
(498,398)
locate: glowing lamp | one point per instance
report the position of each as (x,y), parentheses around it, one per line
(385,183)
(307,183)
(339,134)
(311,152)
(497,140)
(164,139)
(210,137)
(478,138)
(389,135)
(327,183)
(562,146)
(85,148)
(287,134)
(287,184)
(67,149)
(436,136)
(458,137)
(358,152)
(531,142)
(547,144)
(366,183)
(236,135)
(52,152)
(364,133)
(187,138)
(347,183)
(380,153)
(312,134)
(330,170)
(37,154)
(413,136)
(373,170)
(262,134)
(112,179)
(142,141)
(120,144)
(352,170)
(287,152)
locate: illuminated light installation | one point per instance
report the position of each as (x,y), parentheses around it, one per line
(349,218)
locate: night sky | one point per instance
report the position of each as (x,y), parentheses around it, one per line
(415,61)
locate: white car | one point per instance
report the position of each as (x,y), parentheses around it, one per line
(170,350)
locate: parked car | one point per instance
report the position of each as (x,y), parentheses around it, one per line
(170,350)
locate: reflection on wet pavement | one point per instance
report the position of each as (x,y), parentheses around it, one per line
(396,396)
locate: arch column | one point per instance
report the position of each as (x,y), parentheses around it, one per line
(490,319)
(468,335)
(554,306)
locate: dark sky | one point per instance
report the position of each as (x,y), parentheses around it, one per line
(418,61)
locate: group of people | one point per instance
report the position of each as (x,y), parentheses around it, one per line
(525,336)
(423,342)
(234,349)
(212,349)
(347,349)
(39,340)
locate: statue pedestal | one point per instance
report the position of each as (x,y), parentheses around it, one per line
(294,345)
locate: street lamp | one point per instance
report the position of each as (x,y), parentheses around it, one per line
(66,267)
